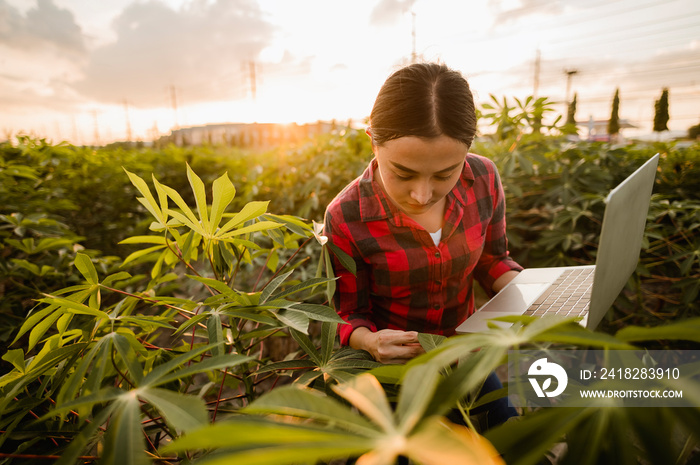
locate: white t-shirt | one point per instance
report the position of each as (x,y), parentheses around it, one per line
(437,235)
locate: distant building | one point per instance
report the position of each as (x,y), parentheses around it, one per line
(258,135)
(598,129)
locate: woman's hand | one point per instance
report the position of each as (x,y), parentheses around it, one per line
(387,345)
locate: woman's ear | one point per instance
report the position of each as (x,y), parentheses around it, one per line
(368,131)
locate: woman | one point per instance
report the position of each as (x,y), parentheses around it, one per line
(422,222)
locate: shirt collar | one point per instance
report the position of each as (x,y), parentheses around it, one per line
(375,205)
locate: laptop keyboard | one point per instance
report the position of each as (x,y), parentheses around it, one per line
(569,295)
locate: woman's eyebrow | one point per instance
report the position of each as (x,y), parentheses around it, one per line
(409,170)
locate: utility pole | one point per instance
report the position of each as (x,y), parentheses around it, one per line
(251,70)
(128,123)
(537,74)
(414,56)
(569,73)
(173,102)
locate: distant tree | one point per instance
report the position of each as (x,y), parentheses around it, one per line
(570,125)
(661,112)
(694,131)
(614,123)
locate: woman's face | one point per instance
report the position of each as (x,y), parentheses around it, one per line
(417,173)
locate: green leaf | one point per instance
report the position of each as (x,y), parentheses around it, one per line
(296,320)
(527,441)
(76,380)
(200,197)
(430,341)
(74,307)
(250,210)
(16,358)
(40,329)
(261,442)
(306,345)
(71,454)
(183,412)
(189,217)
(346,260)
(273,285)
(209,364)
(216,334)
(125,440)
(328,333)
(103,396)
(366,394)
(220,286)
(161,374)
(309,283)
(144,240)
(148,201)
(223,194)
(686,330)
(122,344)
(86,268)
(259,226)
(287,365)
(308,403)
(318,312)
(141,253)
(32,320)
(416,392)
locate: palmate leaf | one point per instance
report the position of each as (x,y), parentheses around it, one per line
(440,442)
(125,442)
(254,441)
(308,403)
(334,430)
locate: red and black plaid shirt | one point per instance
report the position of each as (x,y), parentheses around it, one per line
(403,280)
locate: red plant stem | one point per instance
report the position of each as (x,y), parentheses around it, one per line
(289,260)
(262,270)
(238,267)
(31,412)
(218,397)
(114,364)
(180,311)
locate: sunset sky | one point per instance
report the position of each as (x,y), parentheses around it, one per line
(96,71)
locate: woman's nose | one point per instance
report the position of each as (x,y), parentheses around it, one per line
(422,193)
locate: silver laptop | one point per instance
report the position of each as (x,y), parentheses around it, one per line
(585,291)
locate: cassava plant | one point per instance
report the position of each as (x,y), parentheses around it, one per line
(109,368)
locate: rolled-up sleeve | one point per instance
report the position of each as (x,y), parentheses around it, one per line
(495,259)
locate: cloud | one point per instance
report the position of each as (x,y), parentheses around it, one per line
(202,49)
(504,15)
(44,26)
(387,12)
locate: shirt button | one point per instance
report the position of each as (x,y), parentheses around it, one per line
(436,306)
(437,254)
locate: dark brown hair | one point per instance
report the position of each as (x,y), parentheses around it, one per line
(424,100)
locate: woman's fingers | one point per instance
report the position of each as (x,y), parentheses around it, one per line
(393,346)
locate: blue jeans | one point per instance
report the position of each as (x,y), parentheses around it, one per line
(498,411)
